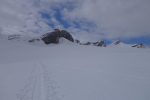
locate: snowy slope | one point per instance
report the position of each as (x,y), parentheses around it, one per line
(118,43)
(73,72)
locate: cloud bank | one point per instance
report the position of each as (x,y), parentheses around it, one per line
(96,19)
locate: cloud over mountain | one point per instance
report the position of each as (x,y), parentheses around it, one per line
(87,18)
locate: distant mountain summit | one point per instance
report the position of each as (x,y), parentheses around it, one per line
(53,37)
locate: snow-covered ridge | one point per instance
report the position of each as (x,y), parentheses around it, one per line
(38,40)
(119,43)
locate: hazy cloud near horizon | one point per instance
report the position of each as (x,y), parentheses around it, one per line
(88,18)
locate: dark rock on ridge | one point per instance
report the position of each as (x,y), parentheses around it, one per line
(53,37)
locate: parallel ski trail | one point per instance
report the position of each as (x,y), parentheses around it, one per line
(40,85)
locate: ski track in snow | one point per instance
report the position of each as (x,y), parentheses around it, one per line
(40,85)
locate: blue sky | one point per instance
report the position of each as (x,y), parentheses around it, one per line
(144,40)
(87,20)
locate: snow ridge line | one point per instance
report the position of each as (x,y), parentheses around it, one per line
(40,85)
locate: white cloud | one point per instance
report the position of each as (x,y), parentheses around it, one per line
(116,18)
(20,17)
(109,18)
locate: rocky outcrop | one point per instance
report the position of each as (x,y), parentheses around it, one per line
(53,37)
(99,43)
(117,42)
(138,45)
(87,43)
(14,37)
(34,40)
(77,41)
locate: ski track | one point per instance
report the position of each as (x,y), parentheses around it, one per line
(40,85)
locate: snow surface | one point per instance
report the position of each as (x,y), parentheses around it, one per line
(73,72)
